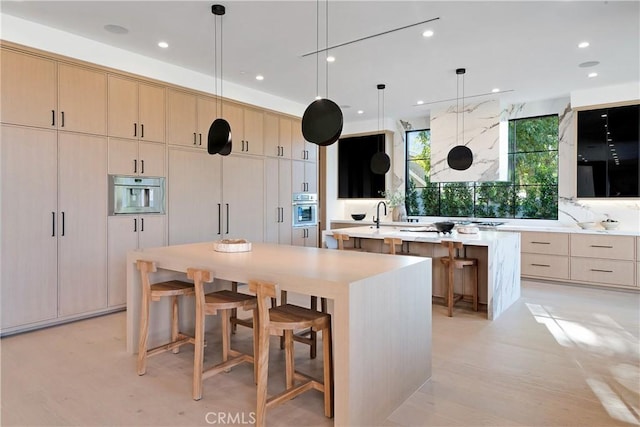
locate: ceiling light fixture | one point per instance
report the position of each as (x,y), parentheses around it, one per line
(360,112)
(495,90)
(582,45)
(591,75)
(380,161)
(115,29)
(460,157)
(219,139)
(322,120)
(163,45)
(260,77)
(427,33)
(331,59)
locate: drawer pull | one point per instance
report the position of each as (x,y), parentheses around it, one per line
(602,246)
(540,243)
(602,271)
(541,265)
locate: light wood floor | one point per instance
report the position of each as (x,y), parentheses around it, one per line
(560,356)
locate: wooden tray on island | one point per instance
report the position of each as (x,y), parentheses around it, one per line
(232,245)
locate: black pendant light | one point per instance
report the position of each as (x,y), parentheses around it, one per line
(322,120)
(219,138)
(380,162)
(460,157)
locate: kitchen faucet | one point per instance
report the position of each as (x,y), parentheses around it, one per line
(377,220)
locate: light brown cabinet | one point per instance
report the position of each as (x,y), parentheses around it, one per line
(189,117)
(301,148)
(246,128)
(304,177)
(305,236)
(46,93)
(545,255)
(603,259)
(131,157)
(136,110)
(278,212)
(277,136)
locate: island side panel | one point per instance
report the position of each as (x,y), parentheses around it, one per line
(504,274)
(390,341)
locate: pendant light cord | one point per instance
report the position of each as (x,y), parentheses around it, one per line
(327,51)
(215,60)
(317,48)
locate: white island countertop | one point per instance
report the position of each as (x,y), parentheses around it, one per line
(502,250)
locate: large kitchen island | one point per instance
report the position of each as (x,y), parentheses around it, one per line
(498,255)
(381,308)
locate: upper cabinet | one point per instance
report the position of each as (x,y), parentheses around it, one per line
(44,93)
(136,110)
(301,148)
(246,128)
(273,147)
(189,118)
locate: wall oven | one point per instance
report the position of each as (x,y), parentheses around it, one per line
(133,195)
(305,209)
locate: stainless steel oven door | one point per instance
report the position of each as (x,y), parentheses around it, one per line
(305,214)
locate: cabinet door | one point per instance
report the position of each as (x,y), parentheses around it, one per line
(28,194)
(29,87)
(298,183)
(243,195)
(312,237)
(271,132)
(122,238)
(253,131)
(151,116)
(151,159)
(284,171)
(272,201)
(208,111)
(285,137)
(194,198)
(304,150)
(181,118)
(234,114)
(123,108)
(82,204)
(82,99)
(152,231)
(311,177)
(123,156)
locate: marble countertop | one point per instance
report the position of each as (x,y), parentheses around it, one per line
(503,227)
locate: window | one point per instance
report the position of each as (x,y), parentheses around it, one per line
(530,192)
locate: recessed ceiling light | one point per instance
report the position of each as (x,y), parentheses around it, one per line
(260,77)
(115,29)
(427,33)
(420,102)
(588,64)
(495,90)
(582,45)
(591,75)
(360,112)
(163,45)
(331,59)
(318,97)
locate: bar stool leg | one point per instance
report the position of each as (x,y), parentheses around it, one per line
(198,354)
(144,334)
(450,290)
(226,336)
(175,320)
(263,373)
(313,334)
(289,360)
(234,312)
(475,288)
(256,344)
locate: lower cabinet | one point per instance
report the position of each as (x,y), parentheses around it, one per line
(305,236)
(127,233)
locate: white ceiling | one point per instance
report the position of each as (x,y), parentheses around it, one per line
(528,49)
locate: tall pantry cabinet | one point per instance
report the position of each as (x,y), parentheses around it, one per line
(53,153)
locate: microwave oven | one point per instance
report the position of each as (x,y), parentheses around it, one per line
(135,195)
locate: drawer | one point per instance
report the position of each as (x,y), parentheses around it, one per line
(603,246)
(555,267)
(638,274)
(545,243)
(603,271)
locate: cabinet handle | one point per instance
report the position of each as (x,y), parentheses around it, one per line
(141,166)
(200,143)
(194,139)
(135,129)
(602,271)
(141,224)
(219,218)
(541,265)
(227,217)
(53,224)
(280,151)
(247,146)
(63,223)
(141,131)
(602,246)
(540,243)
(53,117)
(62,123)
(135,166)
(135,225)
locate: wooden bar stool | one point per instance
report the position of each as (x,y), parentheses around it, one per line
(285,319)
(392,242)
(210,304)
(341,238)
(309,336)
(454,262)
(171,288)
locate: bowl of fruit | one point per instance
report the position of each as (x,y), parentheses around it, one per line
(610,224)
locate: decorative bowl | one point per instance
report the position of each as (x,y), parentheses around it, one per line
(444,227)
(587,225)
(467,229)
(610,225)
(358,217)
(232,245)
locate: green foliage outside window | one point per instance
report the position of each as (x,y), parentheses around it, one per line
(531,192)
